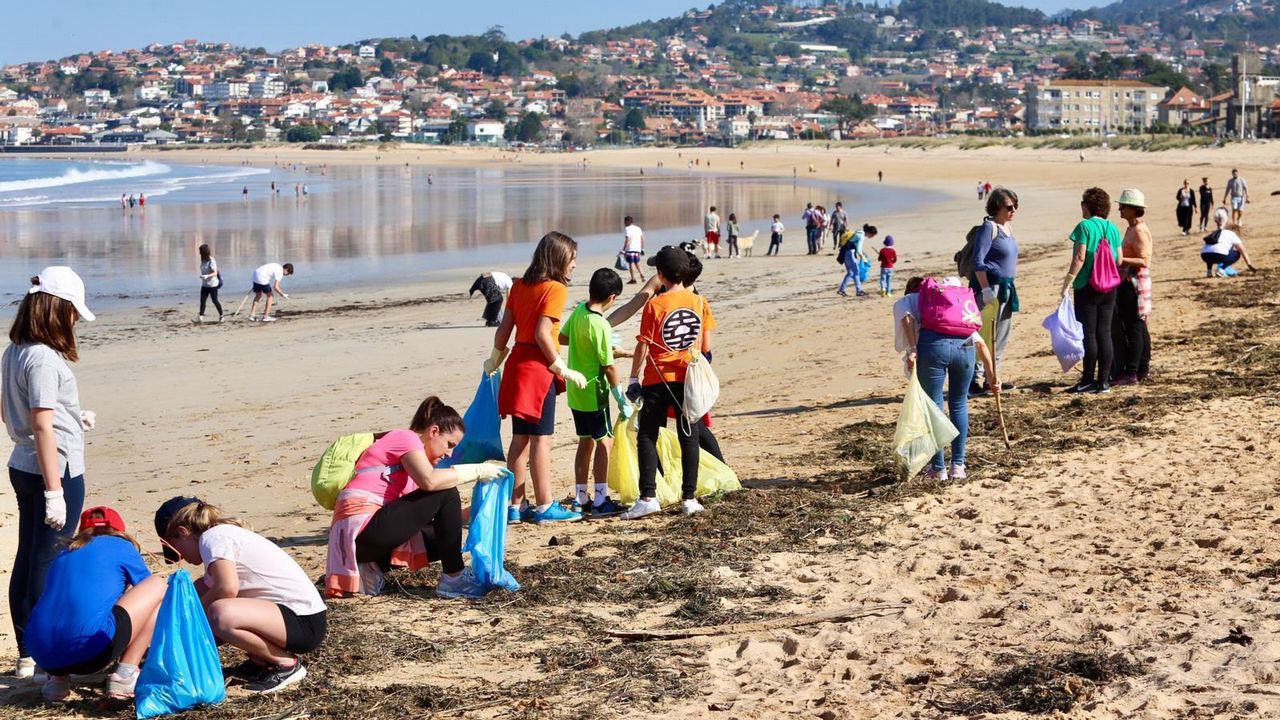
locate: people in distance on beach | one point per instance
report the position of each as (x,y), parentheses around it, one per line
(986,188)
(142,201)
(124,202)
(1206,203)
(734,231)
(255,596)
(133,201)
(210,281)
(775,235)
(1224,247)
(589,337)
(1132,339)
(632,248)
(266,281)
(1186,206)
(887,256)
(851,253)
(1094,309)
(838,223)
(400,509)
(493,286)
(995,270)
(810,218)
(711,226)
(98,609)
(244,193)
(982,191)
(671,326)
(1237,193)
(42,415)
(880,173)
(941,326)
(534,373)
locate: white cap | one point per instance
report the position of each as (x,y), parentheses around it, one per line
(1133,198)
(63,282)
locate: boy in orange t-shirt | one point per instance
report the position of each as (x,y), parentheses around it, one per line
(671,330)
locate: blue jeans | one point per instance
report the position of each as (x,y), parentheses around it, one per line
(814,236)
(886,280)
(939,359)
(38,544)
(851,273)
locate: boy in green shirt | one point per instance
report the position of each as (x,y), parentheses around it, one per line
(590,340)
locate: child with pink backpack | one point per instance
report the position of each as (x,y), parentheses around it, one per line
(942,325)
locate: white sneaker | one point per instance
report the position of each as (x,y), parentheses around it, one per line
(372,579)
(958,472)
(199,318)
(121,687)
(253,318)
(26,669)
(641,508)
(268,318)
(691,507)
(56,688)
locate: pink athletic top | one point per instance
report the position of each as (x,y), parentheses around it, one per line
(386,452)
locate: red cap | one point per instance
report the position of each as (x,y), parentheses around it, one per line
(101,516)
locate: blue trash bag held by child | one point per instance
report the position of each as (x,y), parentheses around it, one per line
(183,669)
(487,536)
(483,440)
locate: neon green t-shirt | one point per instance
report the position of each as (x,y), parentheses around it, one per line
(590,351)
(1089,232)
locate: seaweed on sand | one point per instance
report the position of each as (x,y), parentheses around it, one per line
(1037,684)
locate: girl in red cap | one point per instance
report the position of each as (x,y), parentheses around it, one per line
(99,606)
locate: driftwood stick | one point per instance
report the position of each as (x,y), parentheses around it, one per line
(837,615)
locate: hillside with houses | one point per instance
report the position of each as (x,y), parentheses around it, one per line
(738,71)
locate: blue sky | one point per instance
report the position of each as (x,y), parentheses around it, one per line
(31,32)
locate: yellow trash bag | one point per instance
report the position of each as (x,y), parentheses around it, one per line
(923,429)
(713,475)
(624,464)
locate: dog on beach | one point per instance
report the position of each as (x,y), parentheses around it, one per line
(746,242)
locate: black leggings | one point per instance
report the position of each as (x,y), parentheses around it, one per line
(653,415)
(207,293)
(1185,213)
(707,441)
(1133,341)
(437,515)
(1094,310)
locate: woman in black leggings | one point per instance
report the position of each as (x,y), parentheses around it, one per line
(210,281)
(1095,310)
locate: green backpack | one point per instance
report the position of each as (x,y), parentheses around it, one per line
(337,466)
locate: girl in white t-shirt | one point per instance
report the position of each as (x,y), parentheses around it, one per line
(255,595)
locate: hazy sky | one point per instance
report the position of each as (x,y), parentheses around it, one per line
(30,31)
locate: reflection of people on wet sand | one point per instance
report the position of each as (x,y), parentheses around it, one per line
(494,286)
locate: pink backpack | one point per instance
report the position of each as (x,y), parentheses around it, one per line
(949,309)
(1105,276)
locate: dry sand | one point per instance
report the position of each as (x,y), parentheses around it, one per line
(1140,525)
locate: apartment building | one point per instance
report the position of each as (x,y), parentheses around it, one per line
(1093,105)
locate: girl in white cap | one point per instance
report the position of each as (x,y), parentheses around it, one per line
(41,408)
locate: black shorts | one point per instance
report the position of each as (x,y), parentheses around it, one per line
(592,424)
(112,653)
(260,288)
(303,633)
(546,425)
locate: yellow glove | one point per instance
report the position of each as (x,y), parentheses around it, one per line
(494,363)
(479,472)
(574,377)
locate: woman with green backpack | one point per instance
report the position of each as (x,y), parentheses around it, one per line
(399,508)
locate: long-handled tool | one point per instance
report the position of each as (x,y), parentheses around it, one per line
(242,302)
(995,370)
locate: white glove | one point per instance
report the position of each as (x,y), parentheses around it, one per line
(988,295)
(55,509)
(284,295)
(574,377)
(479,472)
(494,363)
(88,419)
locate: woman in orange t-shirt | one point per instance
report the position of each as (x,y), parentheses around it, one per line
(534,374)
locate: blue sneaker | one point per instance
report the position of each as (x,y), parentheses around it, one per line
(555,513)
(517,515)
(463,585)
(607,508)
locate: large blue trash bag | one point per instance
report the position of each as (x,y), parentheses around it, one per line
(483,440)
(487,536)
(864,270)
(182,669)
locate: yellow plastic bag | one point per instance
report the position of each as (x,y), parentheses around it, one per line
(923,429)
(624,464)
(713,475)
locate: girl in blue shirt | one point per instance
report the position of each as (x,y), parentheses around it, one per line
(99,606)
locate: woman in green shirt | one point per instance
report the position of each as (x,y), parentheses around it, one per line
(1094,309)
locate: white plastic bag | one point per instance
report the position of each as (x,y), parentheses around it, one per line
(923,429)
(1066,333)
(701,388)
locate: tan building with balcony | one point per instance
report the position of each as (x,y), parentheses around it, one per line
(1093,105)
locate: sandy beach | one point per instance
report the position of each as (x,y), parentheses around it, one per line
(1136,530)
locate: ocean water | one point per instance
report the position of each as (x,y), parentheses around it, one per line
(360,225)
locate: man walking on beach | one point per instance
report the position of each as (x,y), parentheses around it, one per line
(266,281)
(711,224)
(1238,194)
(1206,203)
(839,223)
(632,248)
(810,218)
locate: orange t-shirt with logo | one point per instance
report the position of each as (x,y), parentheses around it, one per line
(672,325)
(529,303)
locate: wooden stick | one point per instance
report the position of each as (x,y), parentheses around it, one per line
(995,370)
(242,302)
(837,615)
(1000,413)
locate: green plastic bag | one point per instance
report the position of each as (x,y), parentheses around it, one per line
(923,429)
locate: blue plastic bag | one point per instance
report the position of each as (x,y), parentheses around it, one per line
(864,269)
(487,536)
(1066,334)
(483,440)
(182,668)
